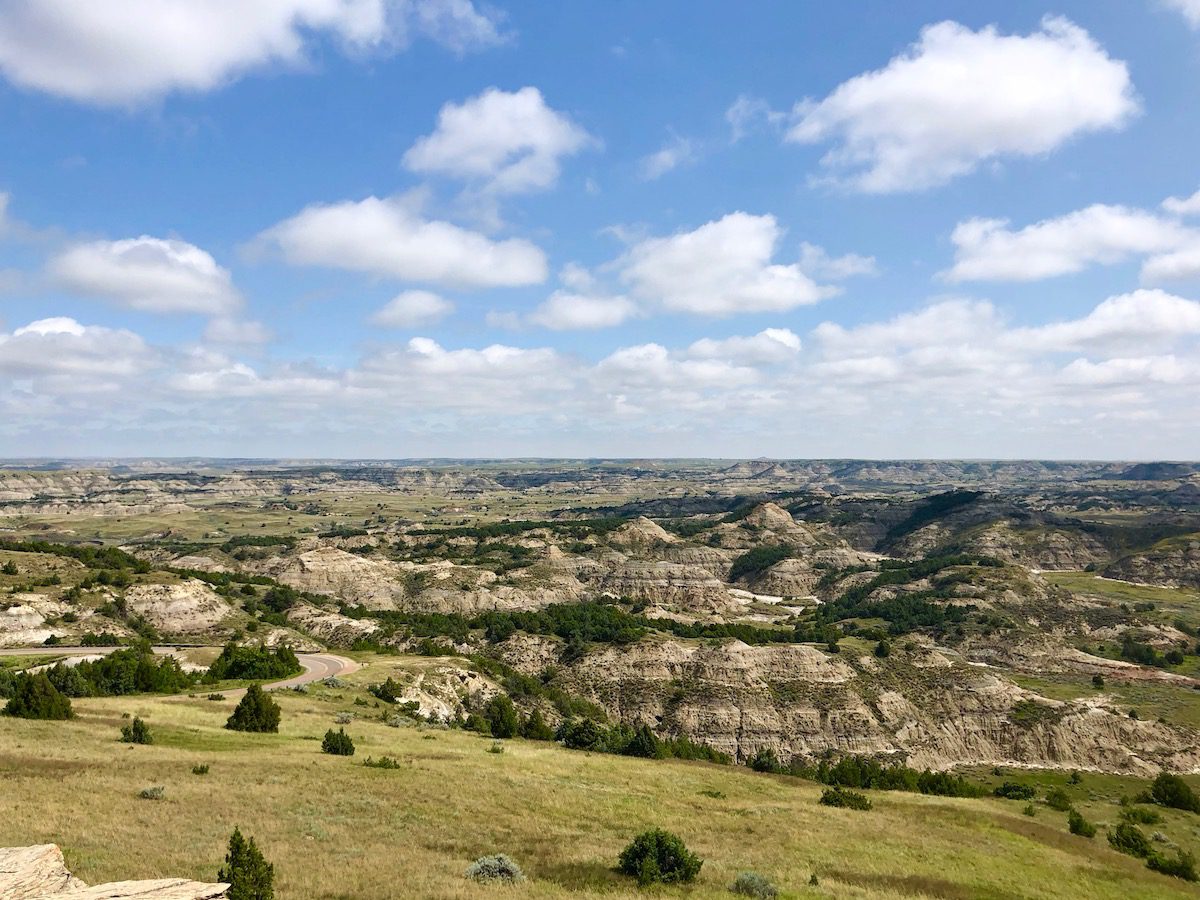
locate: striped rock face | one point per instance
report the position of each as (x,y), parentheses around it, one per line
(40,873)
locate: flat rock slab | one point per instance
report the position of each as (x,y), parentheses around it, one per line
(40,873)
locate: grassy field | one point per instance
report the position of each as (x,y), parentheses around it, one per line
(1170,603)
(335,829)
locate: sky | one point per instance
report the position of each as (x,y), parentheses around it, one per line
(414,228)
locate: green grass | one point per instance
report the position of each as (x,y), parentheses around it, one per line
(335,828)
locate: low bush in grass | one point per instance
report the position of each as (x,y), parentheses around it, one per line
(659,856)
(136,732)
(841,797)
(1139,815)
(496,868)
(1010,790)
(201,769)
(337,743)
(1056,798)
(35,697)
(1172,791)
(751,884)
(384,762)
(1182,866)
(246,871)
(1079,825)
(1130,839)
(255,712)
(152,793)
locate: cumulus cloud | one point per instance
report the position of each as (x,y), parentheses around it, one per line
(226,330)
(988,250)
(123,52)
(771,345)
(677,152)
(148,274)
(61,346)
(959,97)
(1183,206)
(389,237)
(1137,319)
(815,261)
(567,310)
(721,268)
(507,143)
(411,309)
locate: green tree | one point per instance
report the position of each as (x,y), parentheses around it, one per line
(248,874)
(136,732)
(645,744)
(1172,791)
(534,728)
(34,697)
(501,716)
(1079,825)
(255,712)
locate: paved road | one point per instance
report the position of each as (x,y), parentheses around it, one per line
(316,665)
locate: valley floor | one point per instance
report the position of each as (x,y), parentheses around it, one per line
(336,829)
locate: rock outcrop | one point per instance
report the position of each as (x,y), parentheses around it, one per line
(189,607)
(40,873)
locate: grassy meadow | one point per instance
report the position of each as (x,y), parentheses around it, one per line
(336,829)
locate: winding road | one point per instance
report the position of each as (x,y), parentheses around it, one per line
(316,665)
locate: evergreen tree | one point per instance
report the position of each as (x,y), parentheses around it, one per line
(34,697)
(501,715)
(255,712)
(644,744)
(248,874)
(337,743)
(535,728)
(136,732)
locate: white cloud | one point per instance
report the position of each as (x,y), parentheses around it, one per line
(1137,319)
(389,237)
(676,152)
(721,268)
(149,274)
(1183,206)
(815,262)
(1178,265)
(122,52)
(63,347)
(987,250)
(507,143)
(747,113)
(566,310)
(959,97)
(226,330)
(771,345)
(1189,9)
(413,308)
(1131,371)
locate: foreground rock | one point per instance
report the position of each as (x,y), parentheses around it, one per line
(40,873)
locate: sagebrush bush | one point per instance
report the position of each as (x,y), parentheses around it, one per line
(1139,815)
(844,798)
(337,743)
(384,762)
(658,855)
(1182,866)
(200,769)
(137,732)
(152,793)
(499,867)
(255,712)
(751,884)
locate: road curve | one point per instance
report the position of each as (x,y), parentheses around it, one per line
(316,665)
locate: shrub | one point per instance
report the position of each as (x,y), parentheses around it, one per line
(1182,866)
(1172,791)
(136,733)
(644,744)
(581,734)
(388,692)
(152,793)
(1057,798)
(1029,810)
(253,663)
(883,649)
(1079,825)
(765,760)
(658,855)
(1010,790)
(535,728)
(384,762)
(10,568)
(496,747)
(337,743)
(255,712)
(1140,816)
(841,797)
(501,716)
(499,867)
(248,874)
(751,884)
(1129,839)
(34,697)
(1098,682)
(201,769)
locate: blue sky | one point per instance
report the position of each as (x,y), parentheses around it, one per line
(395,228)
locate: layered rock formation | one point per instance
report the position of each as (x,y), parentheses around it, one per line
(40,873)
